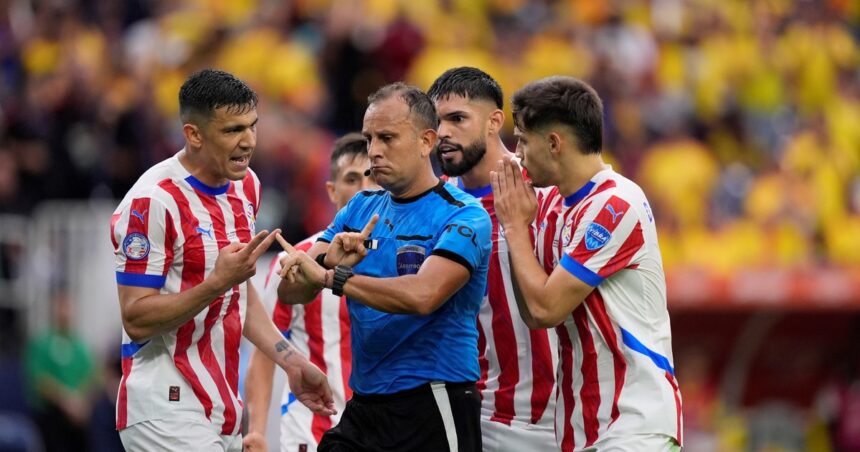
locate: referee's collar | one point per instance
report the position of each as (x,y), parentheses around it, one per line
(419,195)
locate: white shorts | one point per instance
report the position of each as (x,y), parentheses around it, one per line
(177,435)
(296,433)
(636,443)
(517,437)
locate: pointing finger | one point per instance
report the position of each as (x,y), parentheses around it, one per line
(252,245)
(264,245)
(284,244)
(368,228)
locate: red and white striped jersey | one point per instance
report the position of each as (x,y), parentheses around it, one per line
(517,363)
(320,330)
(615,373)
(166,233)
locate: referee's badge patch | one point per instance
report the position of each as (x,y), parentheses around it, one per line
(596,236)
(409,259)
(135,246)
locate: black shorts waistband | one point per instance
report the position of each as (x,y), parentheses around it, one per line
(421,390)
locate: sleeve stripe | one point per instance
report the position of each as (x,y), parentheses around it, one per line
(450,255)
(580,271)
(140,280)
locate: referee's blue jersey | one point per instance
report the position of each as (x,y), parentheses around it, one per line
(395,352)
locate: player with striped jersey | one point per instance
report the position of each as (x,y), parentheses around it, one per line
(517,364)
(185,247)
(606,291)
(319,329)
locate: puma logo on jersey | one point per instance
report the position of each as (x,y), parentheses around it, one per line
(612,212)
(208,232)
(139,215)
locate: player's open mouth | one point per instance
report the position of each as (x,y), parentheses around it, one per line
(448,152)
(241,161)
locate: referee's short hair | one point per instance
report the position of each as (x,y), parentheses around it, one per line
(561,100)
(210,89)
(352,144)
(421,108)
(468,82)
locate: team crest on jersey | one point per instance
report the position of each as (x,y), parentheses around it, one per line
(596,236)
(567,233)
(409,259)
(252,219)
(135,246)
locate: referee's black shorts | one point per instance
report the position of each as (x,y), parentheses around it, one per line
(434,417)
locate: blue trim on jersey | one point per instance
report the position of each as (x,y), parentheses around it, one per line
(577,196)
(581,271)
(479,192)
(286,406)
(287,334)
(209,190)
(658,359)
(128,350)
(140,280)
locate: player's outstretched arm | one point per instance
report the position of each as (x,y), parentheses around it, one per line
(307,382)
(543,301)
(146,312)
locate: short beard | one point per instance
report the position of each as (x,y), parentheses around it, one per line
(472,155)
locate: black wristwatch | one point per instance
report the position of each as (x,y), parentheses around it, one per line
(341,274)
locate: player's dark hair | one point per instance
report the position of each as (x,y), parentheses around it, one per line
(561,100)
(352,144)
(469,82)
(210,89)
(420,105)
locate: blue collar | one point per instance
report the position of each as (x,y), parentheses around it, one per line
(214,191)
(577,196)
(479,192)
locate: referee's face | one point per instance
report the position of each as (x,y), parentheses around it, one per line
(394,144)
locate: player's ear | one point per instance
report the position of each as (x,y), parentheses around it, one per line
(555,141)
(495,122)
(329,188)
(428,141)
(192,134)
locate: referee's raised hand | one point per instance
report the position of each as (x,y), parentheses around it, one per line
(349,248)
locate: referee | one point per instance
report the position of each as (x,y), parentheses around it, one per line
(414,284)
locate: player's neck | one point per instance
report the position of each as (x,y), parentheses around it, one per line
(479,176)
(577,171)
(192,163)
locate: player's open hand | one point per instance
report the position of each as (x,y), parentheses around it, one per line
(238,261)
(349,248)
(514,198)
(311,387)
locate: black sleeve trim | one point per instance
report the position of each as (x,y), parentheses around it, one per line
(450,255)
(323,240)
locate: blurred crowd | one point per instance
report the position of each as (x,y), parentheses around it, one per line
(739,118)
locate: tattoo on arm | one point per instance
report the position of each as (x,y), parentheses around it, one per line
(283,346)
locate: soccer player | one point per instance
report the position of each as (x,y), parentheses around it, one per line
(606,292)
(413,289)
(185,247)
(319,329)
(517,364)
